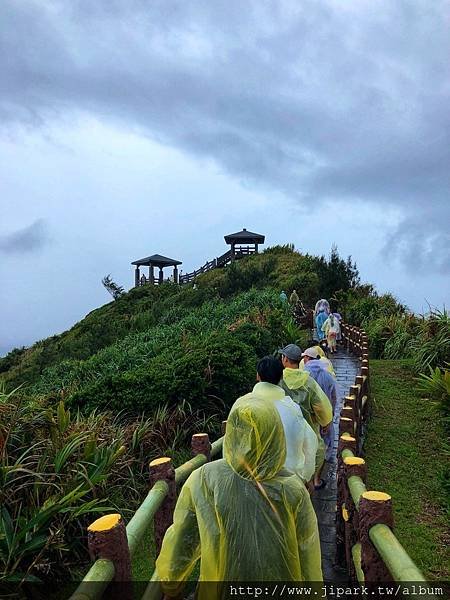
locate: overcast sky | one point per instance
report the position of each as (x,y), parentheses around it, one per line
(129,128)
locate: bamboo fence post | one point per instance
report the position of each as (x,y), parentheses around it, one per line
(347,442)
(355,391)
(224,427)
(341,516)
(107,539)
(350,517)
(351,466)
(374,508)
(200,445)
(346,425)
(350,410)
(162,469)
(359,381)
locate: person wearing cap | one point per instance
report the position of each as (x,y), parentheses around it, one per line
(318,372)
(306,392)
(324,361)
(301,439)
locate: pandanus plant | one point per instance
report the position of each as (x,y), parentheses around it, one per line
(47,486)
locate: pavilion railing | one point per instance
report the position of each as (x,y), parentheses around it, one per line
(221,261)
(366,544)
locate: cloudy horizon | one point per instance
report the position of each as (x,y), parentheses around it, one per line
(133,129)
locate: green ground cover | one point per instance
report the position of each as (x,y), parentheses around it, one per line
(405,457)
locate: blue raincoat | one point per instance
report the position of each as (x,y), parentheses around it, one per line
(319,373)
(320,320)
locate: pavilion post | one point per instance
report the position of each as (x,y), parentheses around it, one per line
(232,251)
(175,274)
(161,276)
(137,277)
(151,274)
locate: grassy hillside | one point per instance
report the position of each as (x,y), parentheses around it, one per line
(406,457)
(135,378)
(167,343)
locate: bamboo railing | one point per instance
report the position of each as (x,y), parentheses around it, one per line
(366,544)
(113,552)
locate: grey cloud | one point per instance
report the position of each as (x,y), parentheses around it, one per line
(316,100)
(421,243)
(28,239)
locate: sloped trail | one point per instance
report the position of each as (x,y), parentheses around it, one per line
(346,367)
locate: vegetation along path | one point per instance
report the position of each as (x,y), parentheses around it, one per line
(405,448)
(346,368)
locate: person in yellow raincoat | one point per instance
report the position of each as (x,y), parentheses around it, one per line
(244,516)
(316,407)
(301,439)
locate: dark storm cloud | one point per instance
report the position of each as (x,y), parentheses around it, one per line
(319,100)
(28,239)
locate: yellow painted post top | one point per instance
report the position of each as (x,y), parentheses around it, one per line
(345,419)
(350,398)
(345,514)
(376,496)
(348,438)
(105,523)
(354,460)
(160,461)
(199,434)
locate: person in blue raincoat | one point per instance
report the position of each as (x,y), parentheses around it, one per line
(320,319)
(318,371)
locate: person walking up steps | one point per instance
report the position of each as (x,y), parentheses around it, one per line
(244,517)
(316,407)
(301,439)
(332,329)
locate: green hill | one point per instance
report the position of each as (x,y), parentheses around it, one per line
(159,344)
(137,377)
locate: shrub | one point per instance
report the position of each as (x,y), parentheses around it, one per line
(219,365)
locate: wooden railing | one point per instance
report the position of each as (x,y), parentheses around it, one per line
(221,261)
(366,544)
(113,546)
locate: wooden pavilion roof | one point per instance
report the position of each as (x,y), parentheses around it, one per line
(245,237)
(156,260)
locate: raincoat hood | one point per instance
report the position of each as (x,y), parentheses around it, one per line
(254,444)
(295,378)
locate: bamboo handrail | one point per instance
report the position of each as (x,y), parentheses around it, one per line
(102,571)
(394,556)
(153,590)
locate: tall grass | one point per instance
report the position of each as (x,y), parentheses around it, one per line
(58,468)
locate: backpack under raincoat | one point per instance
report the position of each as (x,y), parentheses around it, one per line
(244,517)
(316,407)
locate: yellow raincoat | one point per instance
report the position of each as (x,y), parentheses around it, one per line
(316,407)
(301,440)
(243,517)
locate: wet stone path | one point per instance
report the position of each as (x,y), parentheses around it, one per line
(324,501)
